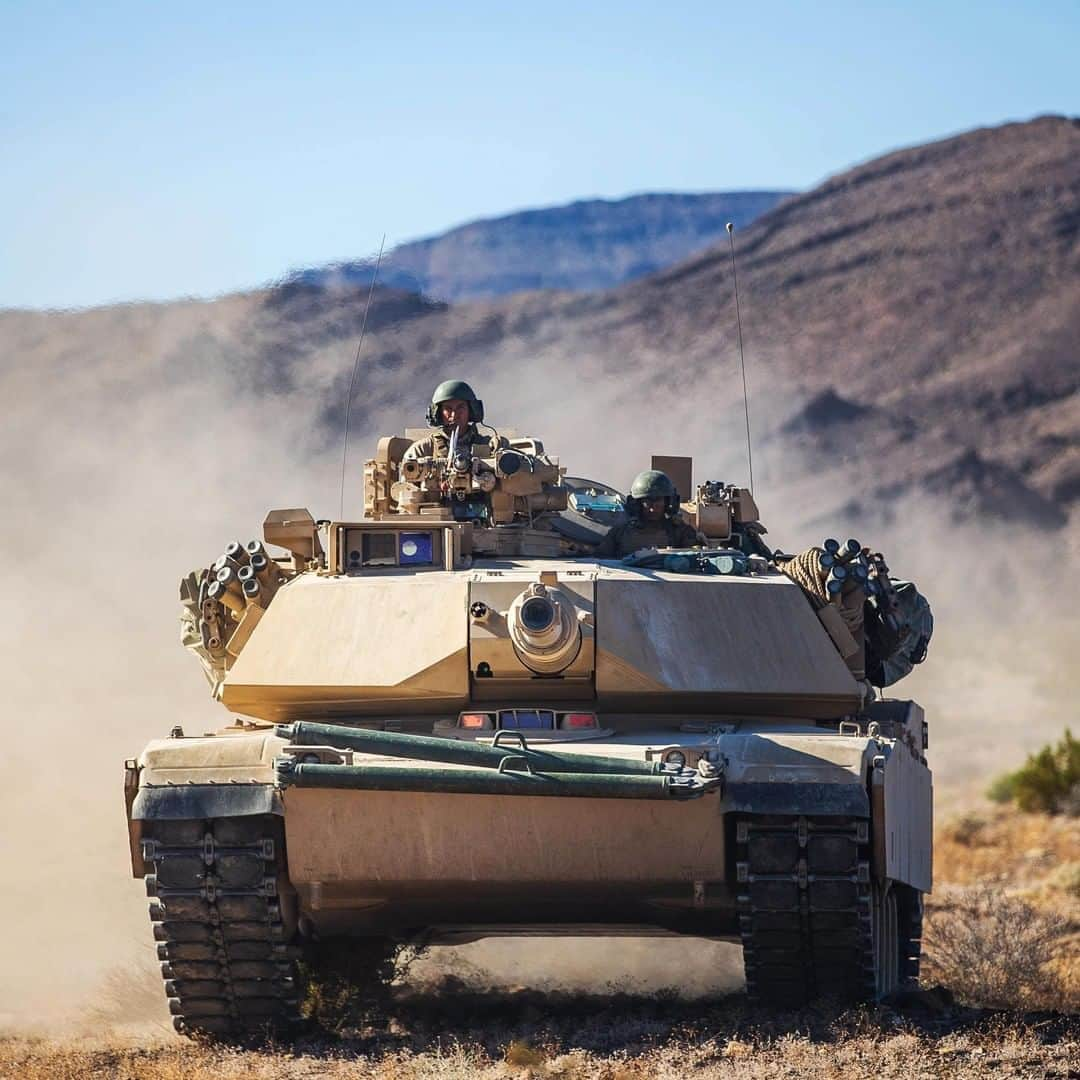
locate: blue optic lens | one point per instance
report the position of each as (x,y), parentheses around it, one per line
(610,503)
(414,549)
(527,718)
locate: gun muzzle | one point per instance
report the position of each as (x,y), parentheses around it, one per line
(544,629)
(415,470)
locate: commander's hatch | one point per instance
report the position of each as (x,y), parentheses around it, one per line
(680,470)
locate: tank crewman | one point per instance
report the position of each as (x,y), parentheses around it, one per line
(454,408)
(653,520)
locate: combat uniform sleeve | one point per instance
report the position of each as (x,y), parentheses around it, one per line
(608,546)
(687,536)
(420,449)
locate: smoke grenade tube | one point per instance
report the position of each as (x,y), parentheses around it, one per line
(227,577)
(237,552)
(255,547)
(222,595)
(251,589)
(266,571)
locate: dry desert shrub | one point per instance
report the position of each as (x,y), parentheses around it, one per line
(1066,879)
(1002,846)
(1047,783)
(967,830)
(996,950)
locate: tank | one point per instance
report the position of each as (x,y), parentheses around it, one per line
(450,721)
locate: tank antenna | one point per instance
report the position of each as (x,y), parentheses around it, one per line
(355,372)
(742,358)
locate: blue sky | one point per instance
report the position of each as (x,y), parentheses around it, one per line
(159,150)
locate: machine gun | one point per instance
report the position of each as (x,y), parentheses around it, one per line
(497,482)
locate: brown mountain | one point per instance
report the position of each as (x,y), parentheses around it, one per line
(899,319)
(935,290)
(585,245)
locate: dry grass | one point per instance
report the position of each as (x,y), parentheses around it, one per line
(997,950)
(1003,925)
(722,1040)
(999,845)
(1001,932)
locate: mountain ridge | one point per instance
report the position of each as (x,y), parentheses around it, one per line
(936,291)
(584,245)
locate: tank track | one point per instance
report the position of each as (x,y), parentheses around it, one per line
(229,970)
(911,926)
(805,908)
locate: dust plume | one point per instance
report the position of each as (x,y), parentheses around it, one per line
(139,440)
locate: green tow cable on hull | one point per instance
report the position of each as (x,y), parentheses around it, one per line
(428,748)
(514,778)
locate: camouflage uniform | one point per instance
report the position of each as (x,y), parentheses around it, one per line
(437,444)
(635,534)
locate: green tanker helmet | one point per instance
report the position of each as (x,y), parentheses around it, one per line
(448,391)
(652,484)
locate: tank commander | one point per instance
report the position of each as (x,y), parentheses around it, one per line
(454,408)
(653,520)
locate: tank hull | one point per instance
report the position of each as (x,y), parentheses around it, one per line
(379,861)
(407,861)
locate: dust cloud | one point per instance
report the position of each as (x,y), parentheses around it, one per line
(139,440)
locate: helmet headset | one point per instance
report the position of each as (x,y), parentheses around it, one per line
(652,484)
(450,390)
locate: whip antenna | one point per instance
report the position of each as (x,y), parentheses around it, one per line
(742,358)
(355,371)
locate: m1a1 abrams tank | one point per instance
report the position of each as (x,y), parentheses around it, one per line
(456,723)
